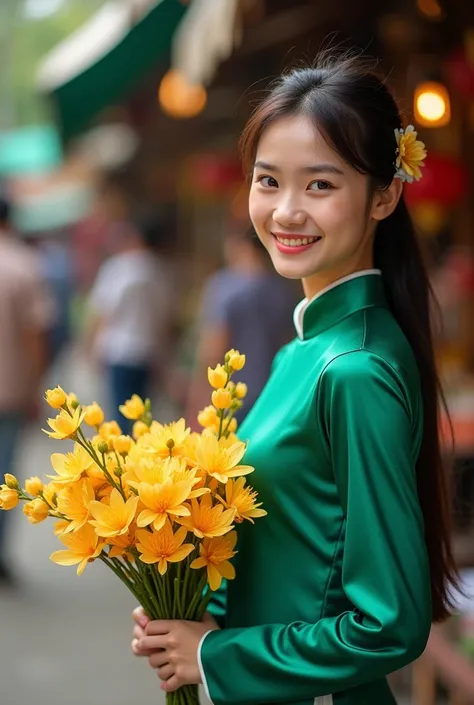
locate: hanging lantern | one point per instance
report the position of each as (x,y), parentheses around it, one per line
(179,98)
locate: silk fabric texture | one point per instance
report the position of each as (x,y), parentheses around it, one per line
(332,590)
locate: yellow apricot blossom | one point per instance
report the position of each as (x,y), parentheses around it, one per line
(215,554)
(114,518)
(133,408)
(83,547)
(221,460)
(206,520)
(74,501)
(163,546)
(65,425)
(243,500)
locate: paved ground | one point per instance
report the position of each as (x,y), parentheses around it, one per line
(65,640)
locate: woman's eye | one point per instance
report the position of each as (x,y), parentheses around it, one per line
(319,186)
(267,181)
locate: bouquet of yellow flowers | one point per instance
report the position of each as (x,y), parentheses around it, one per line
(158,509)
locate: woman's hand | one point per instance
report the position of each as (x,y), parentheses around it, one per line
(171,647)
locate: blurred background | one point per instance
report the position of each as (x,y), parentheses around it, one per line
(127,265)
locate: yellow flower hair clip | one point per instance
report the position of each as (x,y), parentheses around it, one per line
(409,155)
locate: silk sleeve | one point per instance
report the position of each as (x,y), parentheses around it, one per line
(369,425)
(217,605)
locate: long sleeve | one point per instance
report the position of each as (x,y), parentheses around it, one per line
(217,606)
(372,436)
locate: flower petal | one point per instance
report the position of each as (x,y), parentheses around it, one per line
(146,517)
(181,553)
(227,570)
(214,578)
(65,558)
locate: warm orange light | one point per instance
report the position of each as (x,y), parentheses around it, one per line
(179,98)
(432,104)
(430,8)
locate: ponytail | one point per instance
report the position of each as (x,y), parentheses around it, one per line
(409,294)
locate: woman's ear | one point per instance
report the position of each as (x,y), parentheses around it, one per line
(385,202)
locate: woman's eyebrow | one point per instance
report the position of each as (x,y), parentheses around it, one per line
(313,169)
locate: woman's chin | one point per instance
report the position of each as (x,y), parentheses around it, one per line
(291,270)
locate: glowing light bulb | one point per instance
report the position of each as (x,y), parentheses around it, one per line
(179,98)
(432,105)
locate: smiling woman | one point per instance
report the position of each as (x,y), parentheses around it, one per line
(338,587)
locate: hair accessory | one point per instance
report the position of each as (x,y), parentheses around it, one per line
(409,155)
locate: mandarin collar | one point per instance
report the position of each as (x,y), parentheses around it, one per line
(340,299)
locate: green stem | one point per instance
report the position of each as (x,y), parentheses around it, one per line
(194,604)
(131,587)
(149,588)
(158,585)
(221,421)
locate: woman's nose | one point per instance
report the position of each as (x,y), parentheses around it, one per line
(287,214)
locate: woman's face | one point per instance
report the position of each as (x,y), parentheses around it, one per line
(310,209)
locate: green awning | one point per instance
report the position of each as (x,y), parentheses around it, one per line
(101,64)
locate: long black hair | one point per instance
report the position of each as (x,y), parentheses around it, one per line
(357,115)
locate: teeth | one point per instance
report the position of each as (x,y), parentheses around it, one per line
(297,243)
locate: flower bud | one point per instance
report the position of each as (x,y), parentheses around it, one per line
(11,482)
(139,429)
(9,498)
(118,472)
(207,417)
(133,408)
(237,361)
(240,390)
(56,397)
(229,354)
(236,405)
(108,429)
(72,401)
(232,427)
(94,415)
(221,398)
(34,486)
(36,511)
(217,377)
(170,444)
(122,444)
(103,447)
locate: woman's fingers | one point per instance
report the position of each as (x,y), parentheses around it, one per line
(140,617)
(137,650)
(157,659)
(165,672)
(152,643)
(172,684)
(138,632)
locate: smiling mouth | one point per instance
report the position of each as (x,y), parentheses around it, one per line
(296,242)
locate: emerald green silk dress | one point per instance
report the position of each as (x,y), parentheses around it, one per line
(332,590)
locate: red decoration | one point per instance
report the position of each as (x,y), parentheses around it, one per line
(461,74)
(444,182)
(215,174)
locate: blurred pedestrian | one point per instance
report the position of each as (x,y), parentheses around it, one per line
(130,312)
(245,306)
(26,314)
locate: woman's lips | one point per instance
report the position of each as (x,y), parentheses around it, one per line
(294,244)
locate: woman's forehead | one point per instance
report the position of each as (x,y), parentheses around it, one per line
(295,139)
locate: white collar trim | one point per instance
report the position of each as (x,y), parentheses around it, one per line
(300,309)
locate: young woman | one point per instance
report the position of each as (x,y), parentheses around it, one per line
(338,586)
